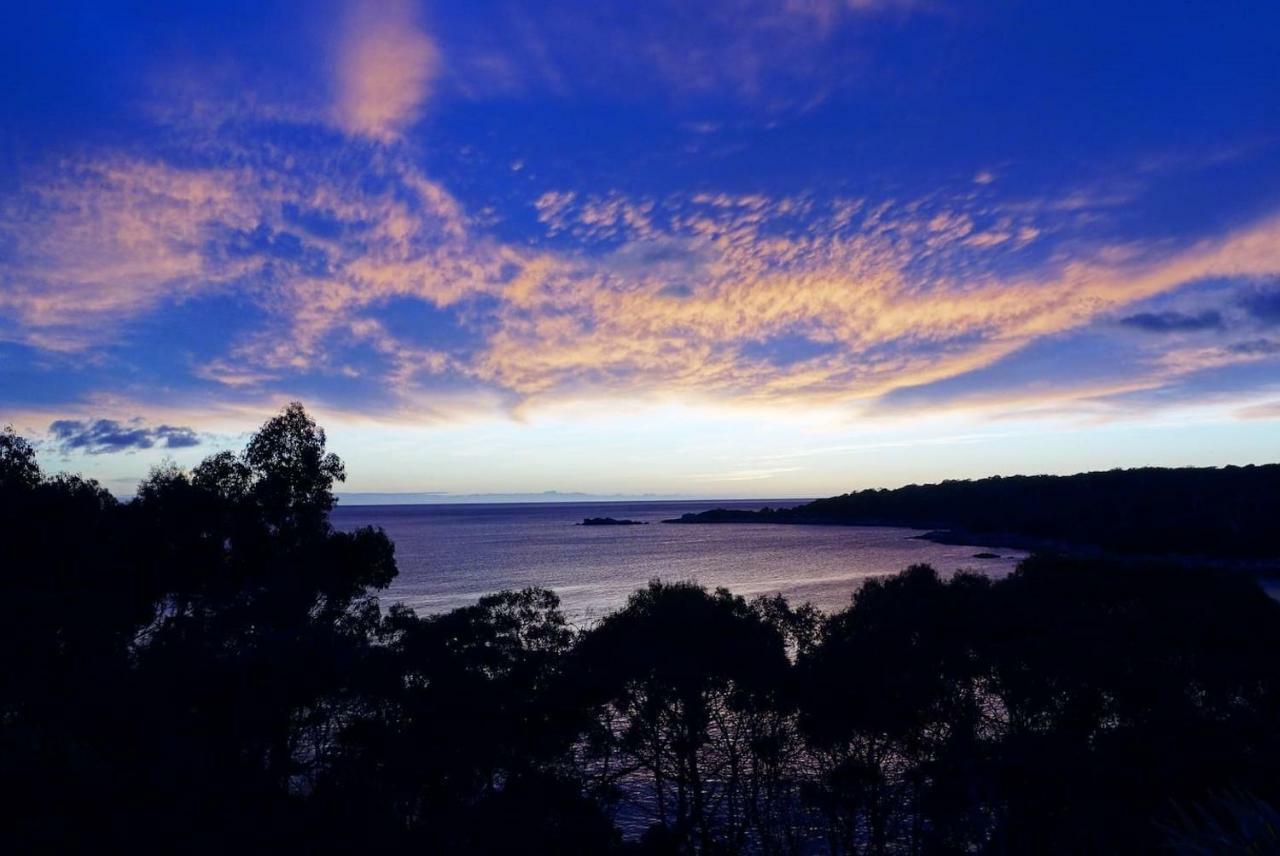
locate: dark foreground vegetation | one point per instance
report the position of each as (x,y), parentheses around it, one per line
(1206,512)
(205,669)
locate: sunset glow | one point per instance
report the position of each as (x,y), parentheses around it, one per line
(770,249)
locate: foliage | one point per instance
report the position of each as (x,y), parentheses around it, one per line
(208,667)
(1224,513)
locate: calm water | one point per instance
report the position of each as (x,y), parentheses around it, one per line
(450,555)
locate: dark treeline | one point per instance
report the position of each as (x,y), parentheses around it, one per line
(1226,512)
(206,669)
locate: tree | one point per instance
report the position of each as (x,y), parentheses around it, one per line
(210,664)
(292,476)
(18,467)
(675,680)
(893,701)
(269,612)
(463,743)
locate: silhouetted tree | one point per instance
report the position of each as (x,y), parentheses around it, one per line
(1127,686)
(682,683)
(19,470)
(207,668)
(893,701)
(465,743)
(289,473)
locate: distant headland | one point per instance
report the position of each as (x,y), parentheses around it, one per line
(1224,513)
(611,521)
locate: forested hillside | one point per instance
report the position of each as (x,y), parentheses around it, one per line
(1226,512)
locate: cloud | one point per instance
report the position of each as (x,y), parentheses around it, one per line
(899,291)
(102,242)
(756,474)
(1266,410)
(110,238)
(707,296)
(1255,347)
(1173,322)
(386,67)
(775,54)
(104,436)
(710,296)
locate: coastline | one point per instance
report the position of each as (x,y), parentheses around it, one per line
(958,536)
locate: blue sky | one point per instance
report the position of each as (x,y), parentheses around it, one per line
(743,248)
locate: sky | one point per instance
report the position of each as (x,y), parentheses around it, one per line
(734,248)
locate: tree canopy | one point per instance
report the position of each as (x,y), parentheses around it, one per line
(208,667)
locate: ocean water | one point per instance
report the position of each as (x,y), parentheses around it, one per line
(451,555)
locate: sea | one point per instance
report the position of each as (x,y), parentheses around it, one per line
(450,555)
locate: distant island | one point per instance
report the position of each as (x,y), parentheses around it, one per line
(1208,512)
(611,521)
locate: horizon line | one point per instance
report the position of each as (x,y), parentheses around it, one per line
(367,498)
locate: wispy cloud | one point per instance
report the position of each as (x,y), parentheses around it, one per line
(713,296)
(882,296)
(386,67)
(587,222)
(757,474)
(102,240)
(771,53)
(1266,410)
(739,298)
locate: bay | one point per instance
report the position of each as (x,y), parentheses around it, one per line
(450,555)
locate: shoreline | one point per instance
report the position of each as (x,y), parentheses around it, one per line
(958,537)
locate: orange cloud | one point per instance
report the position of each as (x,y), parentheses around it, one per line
(657,298)
(385,69)
(101,241)
(669,310)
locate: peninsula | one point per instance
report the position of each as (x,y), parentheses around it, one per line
(1225,513)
